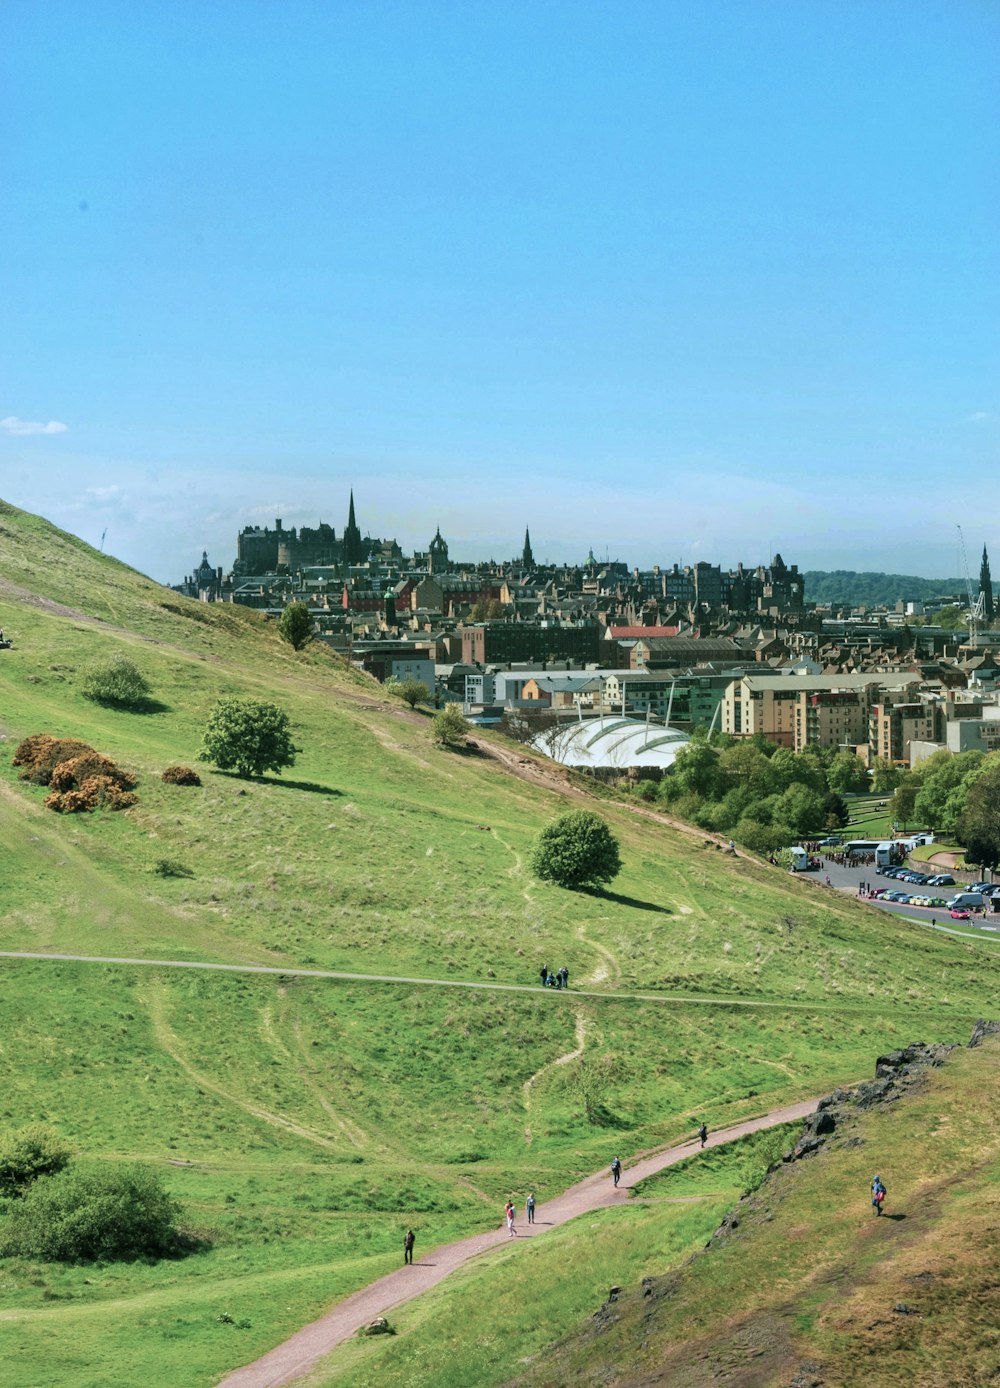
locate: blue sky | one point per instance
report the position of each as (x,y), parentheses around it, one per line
(677,280)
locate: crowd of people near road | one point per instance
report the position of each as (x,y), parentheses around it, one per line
(560,979)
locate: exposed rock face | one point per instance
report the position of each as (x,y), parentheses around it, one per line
(896,1073)
(983,1029)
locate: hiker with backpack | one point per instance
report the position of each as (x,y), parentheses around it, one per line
(878,1194)
(616,1170)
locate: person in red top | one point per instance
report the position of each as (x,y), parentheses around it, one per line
(509,1216)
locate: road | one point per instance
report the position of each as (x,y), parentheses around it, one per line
(847,880)
(298,1354)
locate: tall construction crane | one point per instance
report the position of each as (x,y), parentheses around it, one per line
(976,604)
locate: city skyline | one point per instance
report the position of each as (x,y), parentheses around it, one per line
(674,282)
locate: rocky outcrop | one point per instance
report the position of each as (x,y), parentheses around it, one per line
(983,1029)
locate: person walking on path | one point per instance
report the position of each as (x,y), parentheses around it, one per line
(703,1134)
(529,1205)
(616,1170)
(509,1213)
(409,1239)
(878,1194)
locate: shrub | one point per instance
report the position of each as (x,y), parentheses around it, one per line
(449,728)
(248,737)
(30,1152)
(181,776)
(117,682)
(40,754)
(81,1214)
(71,774)
(95,793)
(170,867)
(577,850)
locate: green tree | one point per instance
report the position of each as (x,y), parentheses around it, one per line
(764,839)
(411,692)
(885,776)
(82,1214)
(249,737)
(847,773)
(978,827)
(835,812)
(295,625)
(810,767)
(577,850)
(784,768)
(902,806)
(696,769)
(30,1152)
(945,780)
(449,728)
(747,766)
(117,682)
(801,808)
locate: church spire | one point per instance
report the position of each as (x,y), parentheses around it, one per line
(986,588)
(353,549)
(527,558)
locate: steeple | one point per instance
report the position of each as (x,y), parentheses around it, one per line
(986,588)
(437,554)
(527,558)
(353,549)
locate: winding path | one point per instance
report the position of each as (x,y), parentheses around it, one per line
(296,1356)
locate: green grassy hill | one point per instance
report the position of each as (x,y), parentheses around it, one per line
(305,1122)
(808,1287)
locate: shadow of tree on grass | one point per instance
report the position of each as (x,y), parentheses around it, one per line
(281,782)
(620,899)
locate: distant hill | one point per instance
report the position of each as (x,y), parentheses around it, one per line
(874,589)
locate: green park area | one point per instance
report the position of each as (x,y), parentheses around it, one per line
(302,1123)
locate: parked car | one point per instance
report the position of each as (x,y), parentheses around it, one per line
(830,841)
(941,879)
(959,914)
(980,887)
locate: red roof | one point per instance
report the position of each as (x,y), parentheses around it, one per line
(628,633)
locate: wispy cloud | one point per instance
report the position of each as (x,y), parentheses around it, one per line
(18,428)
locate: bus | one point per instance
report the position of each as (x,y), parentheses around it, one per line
(882,851)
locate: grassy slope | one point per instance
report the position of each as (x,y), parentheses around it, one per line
(812,1278)
(319,1118)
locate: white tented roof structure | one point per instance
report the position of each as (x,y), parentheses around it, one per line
(612,744)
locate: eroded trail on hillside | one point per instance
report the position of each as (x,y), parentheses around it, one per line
(294,1358)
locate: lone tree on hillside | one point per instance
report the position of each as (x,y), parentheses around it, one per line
(577,850)
(449,728)
(248,737)
(295,625)
(117,682)
(411,692)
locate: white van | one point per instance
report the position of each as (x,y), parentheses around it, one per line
(965,900)
(800,859)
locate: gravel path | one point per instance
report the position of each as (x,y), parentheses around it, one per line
(296,1356)
(607,995)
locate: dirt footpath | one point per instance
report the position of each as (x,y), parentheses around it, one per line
(297,1355)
